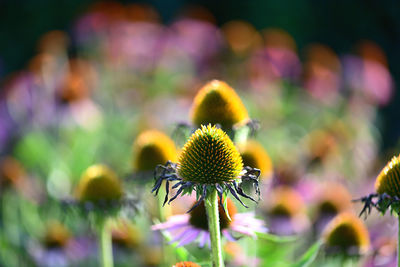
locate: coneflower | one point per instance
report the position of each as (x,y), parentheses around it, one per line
(217,103)
(346,235)
(333,198)
(286,211)
(387,196)
(211,165)
(152,148)
(101,188)
(254,154)
(188,228)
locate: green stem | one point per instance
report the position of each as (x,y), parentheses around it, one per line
(211,204)
(106,245)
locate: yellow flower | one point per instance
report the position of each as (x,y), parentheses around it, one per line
(388,181)
(98,182)
(153,148)
(346,234)
(209,157)
(218,103)
(254,155)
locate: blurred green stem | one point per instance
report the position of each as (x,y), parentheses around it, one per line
(211,204)
(106,245)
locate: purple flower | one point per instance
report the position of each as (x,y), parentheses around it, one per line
(188,228)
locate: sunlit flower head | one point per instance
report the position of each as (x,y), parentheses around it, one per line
(152,148)
(218,103)
(191,227)
(99,183)
(388,180)
(186,264)
(346,234)
(253,154)
(208,160)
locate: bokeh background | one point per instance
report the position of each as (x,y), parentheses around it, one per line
(340,25)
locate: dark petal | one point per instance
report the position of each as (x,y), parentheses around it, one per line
(239,190)
(166,192)
(202,197)
(233,192)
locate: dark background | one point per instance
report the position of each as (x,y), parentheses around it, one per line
(339,24)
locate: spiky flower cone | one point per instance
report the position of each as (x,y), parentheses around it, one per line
(209,157)
(218,103)
(56,236)
(388,181)
(346,235)
(98,182)
(153,147)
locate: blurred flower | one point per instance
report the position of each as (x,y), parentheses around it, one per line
(187,228)
(286,211)
(218,103)
(321,145)
(241,37)
(152,148)
(238,255)
(208,160)
(368,78)
(59,248)
(53,42)
(253,154)
(151,255)
(333,198)
(347,235)
(199,39)
(277,60)
(11,172)
(186,264)
(322,73)
(77,82)
(125,234)
(98,183)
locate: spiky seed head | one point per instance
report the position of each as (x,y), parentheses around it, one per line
(56,236)
(254,155)
(346,234)
(98,182)
(388,180)
(218,103)
(153,147)
(209,157)
(286,202)
(198,216)
(186,264)
(125,234)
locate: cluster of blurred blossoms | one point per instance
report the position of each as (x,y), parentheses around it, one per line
(120,77)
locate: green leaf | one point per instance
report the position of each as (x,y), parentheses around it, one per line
(276,238)
(309,256)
